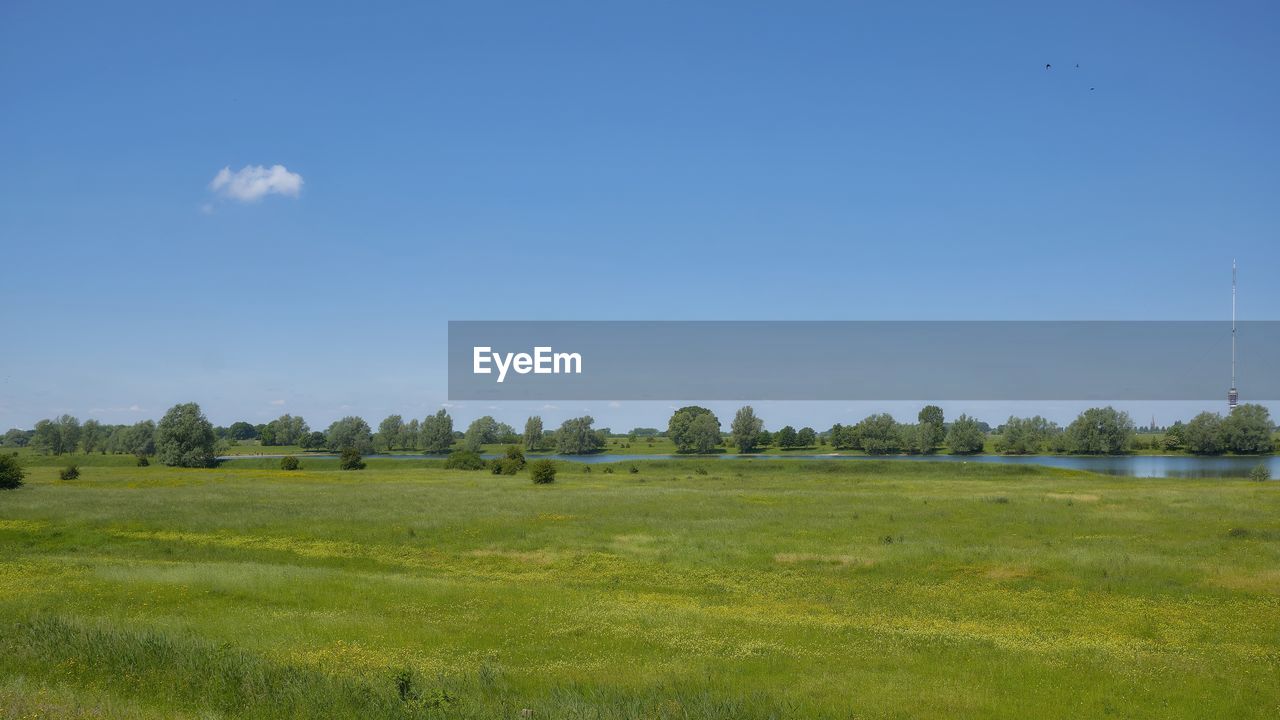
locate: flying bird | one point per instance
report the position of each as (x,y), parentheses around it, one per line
(1047,66)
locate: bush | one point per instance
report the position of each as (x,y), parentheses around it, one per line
(504,466)
(143,461)
(633,469)
(289,462)
(351,460)
(464,460)
(515,456)
(542,471)
(11,472)
(70,472)
(1260,473)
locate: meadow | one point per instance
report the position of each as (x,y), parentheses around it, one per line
(682,589)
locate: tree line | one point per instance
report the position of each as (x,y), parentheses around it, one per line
(186,437)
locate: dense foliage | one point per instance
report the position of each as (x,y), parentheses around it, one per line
(576,437)
(542,472)
(184,437)
(350,459)
(745,430)
(464,460)
(694,429)
(11,472)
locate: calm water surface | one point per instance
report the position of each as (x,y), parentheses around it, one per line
(1145,466)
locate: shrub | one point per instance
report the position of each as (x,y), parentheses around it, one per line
(633,469)
(351,460)
(464,460)
(289,462)
(11,472)
(1260,473)
(608,471)
(143,461)
(70,472)
(504,466)
(515,456)
(542,471)
(586,469)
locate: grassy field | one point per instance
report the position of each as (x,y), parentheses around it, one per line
(688,589)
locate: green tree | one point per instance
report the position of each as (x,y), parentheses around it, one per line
(266,436)
(389,431)
(69,430)
(284,430)
(507,435)
(184,437)
(786,438)
(965,436)
(1247,430)
(1175,436)
(139,439)
(352,433)
(806,437)
(409,434)
(1204,435)
(1025,436)
(575,437)
(678,428)
(11,472)
(57,436)
(93,437)
(931,429)
(481,431)
(878,434)
(242,430)
(437,433)
(533,433)
(703,434)
(314,440)
(16,438)
(744,432)
(843,437)
(1100,431)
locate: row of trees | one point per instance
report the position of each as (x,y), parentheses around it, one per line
(693,429)
(182,438)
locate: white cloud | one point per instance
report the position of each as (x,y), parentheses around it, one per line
(253,182)
(277,402)
(132,408)
(615,404)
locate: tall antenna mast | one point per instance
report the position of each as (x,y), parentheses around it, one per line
(1233,397)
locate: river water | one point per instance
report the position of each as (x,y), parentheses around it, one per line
(1145,466)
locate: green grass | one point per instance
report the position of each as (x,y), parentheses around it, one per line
(689,589)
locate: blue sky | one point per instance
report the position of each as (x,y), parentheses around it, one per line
(600,161)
